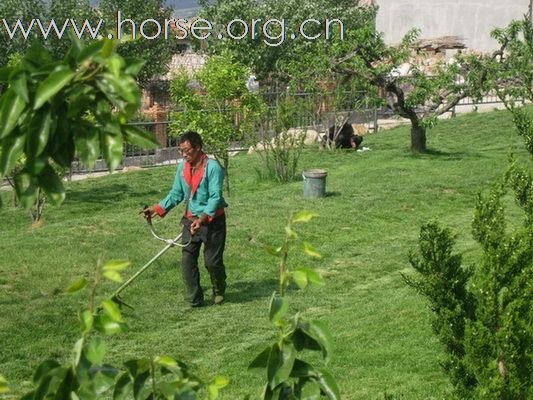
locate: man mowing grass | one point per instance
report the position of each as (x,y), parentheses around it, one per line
(198,183)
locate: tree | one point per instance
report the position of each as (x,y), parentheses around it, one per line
(289,375)
(510,73)
(60,11)
(270,48)
(418,95)
(222,110)
(11,10)
(279,61)
(54,110)
(156,52)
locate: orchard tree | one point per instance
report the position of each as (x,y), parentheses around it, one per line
(510,73)
(222,109)
(60,11)
(268,50)
(156,52)
(11,10)
(50,28)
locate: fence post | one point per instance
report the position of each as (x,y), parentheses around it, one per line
(160,115)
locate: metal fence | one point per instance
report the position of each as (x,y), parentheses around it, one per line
(314,114)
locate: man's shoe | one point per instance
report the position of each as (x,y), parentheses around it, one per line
(219,299)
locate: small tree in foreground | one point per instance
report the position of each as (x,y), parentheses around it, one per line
(288,375)
(86,376)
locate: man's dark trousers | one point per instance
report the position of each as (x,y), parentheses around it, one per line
(213,236)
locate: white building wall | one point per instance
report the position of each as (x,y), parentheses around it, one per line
(472,20)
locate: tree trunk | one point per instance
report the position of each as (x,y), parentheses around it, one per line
(12,184)
(225,165)
(36,212)
(418,138)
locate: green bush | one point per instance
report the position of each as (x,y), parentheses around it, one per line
(483,316)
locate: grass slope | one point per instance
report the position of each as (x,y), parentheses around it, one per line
(368,223)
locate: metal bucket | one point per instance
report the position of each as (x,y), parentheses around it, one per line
(314,183)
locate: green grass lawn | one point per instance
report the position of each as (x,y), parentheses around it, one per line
(369,221)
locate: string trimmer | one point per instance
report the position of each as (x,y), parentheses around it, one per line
(169,243)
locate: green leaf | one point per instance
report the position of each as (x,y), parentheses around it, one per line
(302,369)
(139,382)
(300,277)
(105,324)
(95,351)
(104,379)
(52,185)
(43,369)
(221,382)
(52,85)
(272,251)
(111,308)
(113,276)
(166,362)
(303,216)
(124,86)
(116,265)
(328,385)
(280,363)
(274,361)
(319,332)
(311,391)
(78,348)
(90,51)
(26,189)
(310,250)
(140,137)
(39,132)
(269,394)
(87,144)
(123,387)
(137,366)
(5,73)
(112,149)
(20,86)
(278,308)
(10,151)
(212,391)
(312,276)
(133,65)
(11,107)
(115,64)
(86,321)
(261,361)
(108,47)
(4,388)
(77,285)
(302,341)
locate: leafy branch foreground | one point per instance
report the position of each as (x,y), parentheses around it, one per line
(86,376)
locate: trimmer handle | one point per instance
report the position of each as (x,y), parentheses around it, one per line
(147,213)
